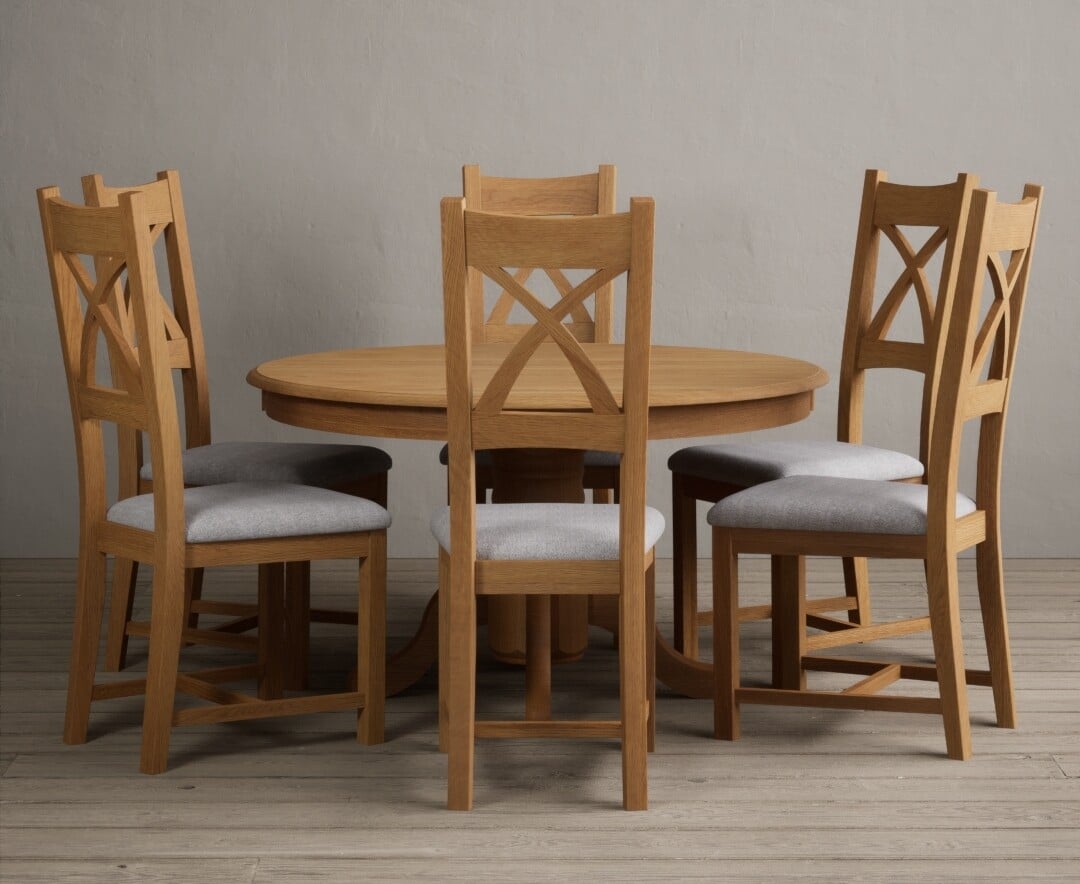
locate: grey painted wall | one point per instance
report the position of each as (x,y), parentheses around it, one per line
(316,138)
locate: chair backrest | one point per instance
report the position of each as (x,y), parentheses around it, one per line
(119,239)
(886,209)
(981,343)
(591,194)
(183,325)
(488,418)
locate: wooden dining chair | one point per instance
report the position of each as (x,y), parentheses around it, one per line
(535,549)
(712,472)
(176,529)
(354,469)
(971,378)
(589,194)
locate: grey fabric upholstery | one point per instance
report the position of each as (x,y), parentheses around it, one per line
(750,463)
(822,503)
(549,531)
(302,463)
(592,458)
(258,511)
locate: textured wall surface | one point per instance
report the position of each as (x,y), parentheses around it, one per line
(315,140)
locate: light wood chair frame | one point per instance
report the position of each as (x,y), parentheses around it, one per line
(187,355)
(475,242)
(142,399)
(960,394)
(886,207)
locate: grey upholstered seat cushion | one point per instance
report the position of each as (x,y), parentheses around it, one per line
(592,458)
(258,511)
(749,463)
(549,531)
(302,463)
(822,503)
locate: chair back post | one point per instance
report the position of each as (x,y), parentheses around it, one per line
(860,302)
(459,329)
(885,208)
(89,444)
(472,189)
(129,447)
(974,347)
(604,299)
(163,426)
(129,439)
(636,364)
(186,307)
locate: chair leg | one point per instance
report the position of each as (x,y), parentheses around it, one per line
(297,624)
(684,566)
(601,495)
(725,637)
(857,586)
(538,658)
(650,650)
(271,631)
(944,598)
(789,622)
(991,580)
(371,642)
(125,573)
(444,647)
(461,692)
(633,690)
(86,632)
(166,633)
(193,586)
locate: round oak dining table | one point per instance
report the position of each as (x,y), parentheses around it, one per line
(400,392)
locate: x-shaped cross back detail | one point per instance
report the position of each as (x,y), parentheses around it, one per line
(913,277)
(549,324)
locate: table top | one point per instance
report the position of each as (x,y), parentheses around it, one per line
(401,391)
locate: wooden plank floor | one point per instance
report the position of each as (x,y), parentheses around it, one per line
(812,794)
